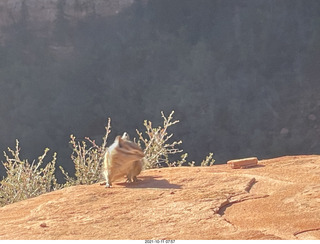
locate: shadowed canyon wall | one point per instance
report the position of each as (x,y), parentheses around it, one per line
(242,76)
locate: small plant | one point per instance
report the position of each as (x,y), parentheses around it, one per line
(180,162)
(157,149)
(88,162)
(209,161)
(25,180)
(156,146)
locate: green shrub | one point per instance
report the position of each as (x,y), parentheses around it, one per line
(88,162)
(25,180)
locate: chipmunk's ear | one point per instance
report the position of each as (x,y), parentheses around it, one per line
(125,136)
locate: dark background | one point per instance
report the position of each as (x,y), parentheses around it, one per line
(241,76)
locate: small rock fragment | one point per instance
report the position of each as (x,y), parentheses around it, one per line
(250,184)
(43,225)
(243,163)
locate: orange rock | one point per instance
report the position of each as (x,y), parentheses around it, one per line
(43,225)
(279,200)
(243,163)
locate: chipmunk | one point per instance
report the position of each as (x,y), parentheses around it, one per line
(123,158)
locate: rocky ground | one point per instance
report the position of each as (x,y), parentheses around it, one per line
(278,199)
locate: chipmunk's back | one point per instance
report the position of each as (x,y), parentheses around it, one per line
(123,158)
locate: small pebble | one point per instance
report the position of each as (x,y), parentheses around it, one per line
(43,225)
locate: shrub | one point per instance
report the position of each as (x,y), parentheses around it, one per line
(157,149)
(25,180)
(88,162)
(208,161)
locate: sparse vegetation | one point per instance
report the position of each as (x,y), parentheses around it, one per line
(156,147)
(25,180)
(87,161)
(208,161)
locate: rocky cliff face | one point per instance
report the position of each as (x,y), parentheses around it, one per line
(242,76)
(41,14)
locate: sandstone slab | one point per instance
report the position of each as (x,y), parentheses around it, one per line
(280,199)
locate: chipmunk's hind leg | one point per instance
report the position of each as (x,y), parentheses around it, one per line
(135,179)
(129,178)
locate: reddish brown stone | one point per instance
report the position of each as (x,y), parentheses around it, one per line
(243,163)
(279,200)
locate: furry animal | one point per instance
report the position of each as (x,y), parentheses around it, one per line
(123,158)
